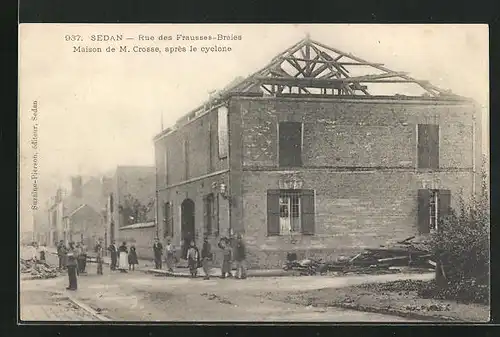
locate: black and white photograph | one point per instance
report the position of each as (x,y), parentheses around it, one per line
(254,173)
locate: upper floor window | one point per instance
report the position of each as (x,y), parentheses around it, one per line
(428,146)
(223,132)
(290,144)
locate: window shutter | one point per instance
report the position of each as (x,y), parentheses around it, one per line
(433,146)
(444,203)
(205,215)
(273,212)
(423,211)
(308,212)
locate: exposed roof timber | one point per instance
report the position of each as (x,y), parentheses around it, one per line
(424,84)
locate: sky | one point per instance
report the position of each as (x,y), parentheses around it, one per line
(100,110)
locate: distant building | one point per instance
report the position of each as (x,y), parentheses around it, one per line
(303,156)
(130,213)
(79,214)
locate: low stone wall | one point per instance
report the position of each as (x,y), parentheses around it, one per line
(141,237)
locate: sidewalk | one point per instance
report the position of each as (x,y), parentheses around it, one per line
(182,271)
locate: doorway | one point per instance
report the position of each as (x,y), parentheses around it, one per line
(187,224)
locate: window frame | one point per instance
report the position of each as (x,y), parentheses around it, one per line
(279,129)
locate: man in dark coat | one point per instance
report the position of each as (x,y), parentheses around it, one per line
(61,254)
(239,258)
(99,253)
(206,257)
(114,255)
(72,265)
(158,252)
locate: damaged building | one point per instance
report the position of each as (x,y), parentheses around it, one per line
(320,153)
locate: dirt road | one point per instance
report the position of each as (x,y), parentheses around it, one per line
(137,296)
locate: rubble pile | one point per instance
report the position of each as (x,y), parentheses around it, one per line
(37,269)
(411,253)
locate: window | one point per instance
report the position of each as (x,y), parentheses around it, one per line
(290,144)
(186,159)
(433,210)
(223,132)
(428,146)
(210,214)
(433,206)
(168,220)
(165,163)
(290,211)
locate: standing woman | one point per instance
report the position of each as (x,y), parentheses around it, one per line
(123,261)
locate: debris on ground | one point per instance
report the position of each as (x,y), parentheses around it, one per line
(38,269)
(398,256)
(216,297)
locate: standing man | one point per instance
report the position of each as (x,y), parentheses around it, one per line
(72,269)
(239,257)
(206,256)
(99,252)
(170,256)
(83,247)
(61,253)
(158,252)
(114,252)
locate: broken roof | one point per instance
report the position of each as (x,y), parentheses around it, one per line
(312,68)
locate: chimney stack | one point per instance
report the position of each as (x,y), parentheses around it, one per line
(76,186)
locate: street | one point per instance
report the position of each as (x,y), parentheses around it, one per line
(136,296)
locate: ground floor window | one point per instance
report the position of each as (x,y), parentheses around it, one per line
(290,211)
(433,207)
(168,220)
(210,215)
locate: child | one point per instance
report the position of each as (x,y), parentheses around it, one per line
(132,258)
(193,259)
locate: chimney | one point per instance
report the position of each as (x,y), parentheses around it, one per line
(76,186)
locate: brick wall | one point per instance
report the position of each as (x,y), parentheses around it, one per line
(202,154)
(342,139)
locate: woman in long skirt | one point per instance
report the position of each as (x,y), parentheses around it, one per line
(123,260)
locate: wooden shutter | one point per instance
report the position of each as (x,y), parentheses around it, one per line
(444,203)
(423,211)
(273,212)
(308,212)
(433,146)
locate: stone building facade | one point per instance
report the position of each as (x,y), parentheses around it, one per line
(319,174)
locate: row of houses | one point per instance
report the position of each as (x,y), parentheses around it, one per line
(308,155)
(118,207)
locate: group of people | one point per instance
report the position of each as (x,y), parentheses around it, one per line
(122,258)
(72,258)
(232,250)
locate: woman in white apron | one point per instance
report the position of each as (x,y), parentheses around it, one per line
(123,258)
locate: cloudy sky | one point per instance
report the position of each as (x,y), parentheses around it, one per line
(99,110)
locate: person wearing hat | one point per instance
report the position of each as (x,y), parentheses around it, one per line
(123,261)
(158,252)
(72,268)
(206,257)
(239,258)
